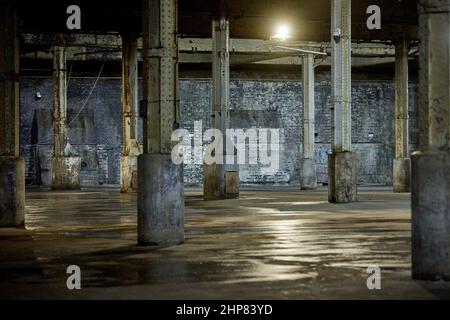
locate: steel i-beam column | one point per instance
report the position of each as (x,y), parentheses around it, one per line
(221,181)
(423,125)
(130,144)
(430,168)
(160,180)
(12,168)
(308,164)
(66,165)
(342,186)
(402,162)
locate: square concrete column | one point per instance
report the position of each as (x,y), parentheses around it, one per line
(342,185)
(12,169)
(402,162)
(160,181)
(130,144)
(430,179)
(308,162)
(221,181)
(66,165)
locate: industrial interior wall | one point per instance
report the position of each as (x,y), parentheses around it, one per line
(95,132)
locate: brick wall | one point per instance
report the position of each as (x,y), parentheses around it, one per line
(254,103)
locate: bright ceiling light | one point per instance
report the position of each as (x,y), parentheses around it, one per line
(282,33)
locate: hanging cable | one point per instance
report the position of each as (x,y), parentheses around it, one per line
(70,73)
(87,99)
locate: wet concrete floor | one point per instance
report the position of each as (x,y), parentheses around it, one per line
(272,244)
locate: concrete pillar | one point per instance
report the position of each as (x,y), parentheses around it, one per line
(12,169)
(308,164)
(402,162)
(66,165)
(130,144)
(160,181)
(342,185)
(430,179)
(220,181)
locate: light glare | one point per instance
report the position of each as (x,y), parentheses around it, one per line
(282,32)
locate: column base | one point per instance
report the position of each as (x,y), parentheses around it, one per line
(430,206)
(402,175)
(12,191)
(211,183)
(232,184)
(308,177)
(66,173)
(342,173)
(160,200)
(128,173)
(220,183)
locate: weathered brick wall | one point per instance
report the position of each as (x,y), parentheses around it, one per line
(254,103)
(95,133)
(372,124)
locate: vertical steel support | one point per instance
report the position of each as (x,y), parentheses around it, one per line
(129,90)
(130,143)
(342,186)
(160,76)
(308,167)
(9,82)
(402,162)
(430,168)
(220,180)
(66,165)
(220,74)
(59,101)
(341,75)
(12,168)
(160,180)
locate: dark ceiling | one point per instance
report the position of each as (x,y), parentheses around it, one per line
(309,20)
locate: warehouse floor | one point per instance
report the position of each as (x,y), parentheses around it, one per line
(273,244)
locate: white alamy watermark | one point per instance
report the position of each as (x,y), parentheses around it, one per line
(254,146)
(74,280)
(74,20)
(374,20)
(374,280)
